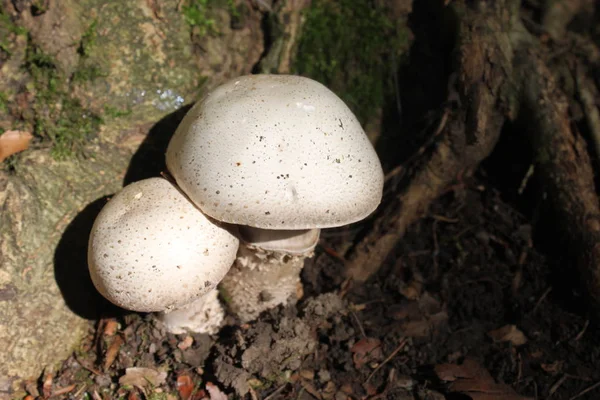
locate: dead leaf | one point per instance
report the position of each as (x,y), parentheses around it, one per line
(421,318)
(214,392)
(311,389)
(186,343)
(471,379)
(185,386)
(425,327)
(366,350)
(110,327)
(12,142)
(553,368)
(133,396)
(112,352)
(508,333)
(64,390)
(142,377)
(307,374)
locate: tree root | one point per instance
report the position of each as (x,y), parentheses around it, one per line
(565,170)
(468,137)
(501,75)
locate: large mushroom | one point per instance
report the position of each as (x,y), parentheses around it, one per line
(283,157)
(152,250)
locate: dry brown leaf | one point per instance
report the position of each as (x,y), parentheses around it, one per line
(365,350)
(311,389)
(307,374)
(110,327)
(471,379)
(420,318)
(425,327)
(553,368)
(64,390)
(142,377)
(112,352)
(508,333)
(12,142)
(133,396)
(186,343)
(185,386)
(214,392)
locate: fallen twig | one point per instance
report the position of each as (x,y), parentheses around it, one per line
(584,391)
(400,346)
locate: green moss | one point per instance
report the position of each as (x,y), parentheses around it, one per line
(114,112)
(8,27)
(350,46)
(88,39)
(224,295)
(57,116)
(196,14)
(87,70)
(3,102)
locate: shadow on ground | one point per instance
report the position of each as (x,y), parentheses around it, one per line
(71,271)
(70,258)
(149,159)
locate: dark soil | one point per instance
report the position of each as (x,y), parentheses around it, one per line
(466,269)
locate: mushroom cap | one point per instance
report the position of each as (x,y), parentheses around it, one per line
(276,152)
(151,249)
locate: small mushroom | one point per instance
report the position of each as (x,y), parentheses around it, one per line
(152,250)
(283,157)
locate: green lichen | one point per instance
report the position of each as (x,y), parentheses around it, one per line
(351,46)
(57,117)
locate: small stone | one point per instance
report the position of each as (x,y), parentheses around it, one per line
(341,396)
(324,376)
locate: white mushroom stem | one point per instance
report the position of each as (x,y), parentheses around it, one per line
(266,272)
(204,315)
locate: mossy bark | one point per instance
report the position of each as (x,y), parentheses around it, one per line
(133,65)
(38,202)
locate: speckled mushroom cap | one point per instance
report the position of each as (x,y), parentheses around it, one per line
(151,249)
(276,152)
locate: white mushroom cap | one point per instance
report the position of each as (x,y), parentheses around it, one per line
(151,249)
(276,152)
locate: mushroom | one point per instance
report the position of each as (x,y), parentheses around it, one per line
(283,157)
(152,250)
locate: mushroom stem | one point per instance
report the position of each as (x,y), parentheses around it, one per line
(266,272)
(204,315)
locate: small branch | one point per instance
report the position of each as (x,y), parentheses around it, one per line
(389,358)
(584,391)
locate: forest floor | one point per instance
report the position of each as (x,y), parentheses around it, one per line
(472,304)
(467,309)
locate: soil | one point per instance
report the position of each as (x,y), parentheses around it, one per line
(466,288)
